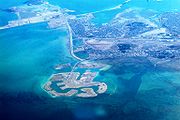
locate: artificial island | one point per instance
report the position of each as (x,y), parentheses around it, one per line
(122,37)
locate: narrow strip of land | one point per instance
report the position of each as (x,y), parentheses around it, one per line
(108,9)
(71,43)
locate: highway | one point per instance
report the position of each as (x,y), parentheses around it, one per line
(71,43)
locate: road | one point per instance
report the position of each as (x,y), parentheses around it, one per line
(71,43)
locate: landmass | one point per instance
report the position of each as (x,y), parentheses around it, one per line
(69,81)
(122,37)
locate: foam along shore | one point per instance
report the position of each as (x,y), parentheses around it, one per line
(83,87)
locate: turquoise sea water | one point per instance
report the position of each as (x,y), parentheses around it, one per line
(29,55)
(136,89)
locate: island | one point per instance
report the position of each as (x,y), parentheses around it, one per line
(120,38)
(68,84)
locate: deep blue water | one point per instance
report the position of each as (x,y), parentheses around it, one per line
(137,90)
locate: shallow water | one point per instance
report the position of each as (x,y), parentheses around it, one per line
(137,89)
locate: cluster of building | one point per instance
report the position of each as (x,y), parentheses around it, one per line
(31,13)
(128,37)
(131,27)
(121,37)
(159,49)
(69,85)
